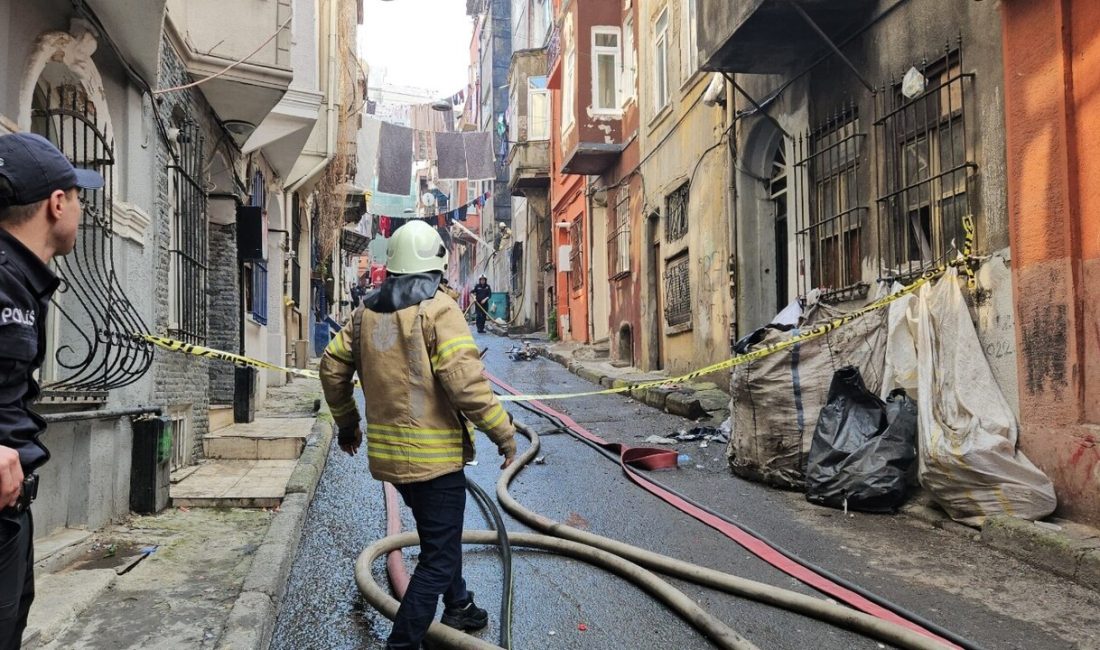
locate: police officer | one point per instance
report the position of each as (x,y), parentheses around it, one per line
(421,376)
(39,217)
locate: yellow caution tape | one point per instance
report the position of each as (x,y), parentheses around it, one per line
(820,330)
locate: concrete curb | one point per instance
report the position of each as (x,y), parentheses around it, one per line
(1047,546)
(704,401)
(252,619)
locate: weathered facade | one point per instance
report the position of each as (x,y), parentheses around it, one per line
(685,318)
(123,88)
(1051,72)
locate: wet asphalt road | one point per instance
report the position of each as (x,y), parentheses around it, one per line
(553,595)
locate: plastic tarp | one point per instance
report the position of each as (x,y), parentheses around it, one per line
(968,459)
(863,448)
(777,399)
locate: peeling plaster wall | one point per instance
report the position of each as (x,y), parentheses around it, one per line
(1052,74)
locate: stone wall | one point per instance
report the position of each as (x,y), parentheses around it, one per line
(223,289)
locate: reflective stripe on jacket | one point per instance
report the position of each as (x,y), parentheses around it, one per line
(419,368)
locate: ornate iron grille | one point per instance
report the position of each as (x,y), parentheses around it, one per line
(189,236)
(832,205)
(93,349)
(678,290)
(676,213)
(927,171)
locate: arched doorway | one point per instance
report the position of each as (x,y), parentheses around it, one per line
(763,227)
(92,322)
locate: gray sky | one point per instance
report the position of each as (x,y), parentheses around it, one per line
(421,43)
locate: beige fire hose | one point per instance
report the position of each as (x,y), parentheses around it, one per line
(632,563)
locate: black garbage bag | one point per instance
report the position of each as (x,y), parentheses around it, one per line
(863,449)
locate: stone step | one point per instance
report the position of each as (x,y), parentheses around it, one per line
(262,439)
(220,417)
(234,484)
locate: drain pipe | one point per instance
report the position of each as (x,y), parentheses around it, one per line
(330,142)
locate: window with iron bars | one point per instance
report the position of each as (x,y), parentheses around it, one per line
(295,251)
(676,213)
(576,260)
(678,290)
(256,286)
(832,216)
(187,312)
(927,168)
(618,244)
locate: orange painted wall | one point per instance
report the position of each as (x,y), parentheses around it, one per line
(1052,121)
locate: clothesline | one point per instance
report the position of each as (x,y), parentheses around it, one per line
(385,225)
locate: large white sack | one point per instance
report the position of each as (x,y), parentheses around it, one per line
(968,459)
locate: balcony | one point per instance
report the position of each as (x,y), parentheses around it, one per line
(136,29)
(529,157)
(771,36)
(212,34)
(529,167)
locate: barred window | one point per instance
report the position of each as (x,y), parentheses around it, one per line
(295,251)
(618,244)
(927,165)
(678,290)
(256,270)
(676,213)
(188,262)
(830,236)
(576,262)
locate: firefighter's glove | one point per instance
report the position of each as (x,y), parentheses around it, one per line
(508,450)
(349,439)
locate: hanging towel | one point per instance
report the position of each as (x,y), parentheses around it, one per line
(452,156)
(394,159)
(462,212)
(480,161)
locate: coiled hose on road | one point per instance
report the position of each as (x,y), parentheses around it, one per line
(631,563)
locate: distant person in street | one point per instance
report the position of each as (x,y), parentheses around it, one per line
(39,218)
(358,291)
(482,293)
(421,378)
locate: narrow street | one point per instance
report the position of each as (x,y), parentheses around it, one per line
(993,600)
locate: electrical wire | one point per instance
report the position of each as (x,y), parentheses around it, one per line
(229,67)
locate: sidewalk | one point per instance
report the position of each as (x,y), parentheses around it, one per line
(187,577)
(1060,546)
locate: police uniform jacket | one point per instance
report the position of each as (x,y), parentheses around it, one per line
(421,378)
(26,285)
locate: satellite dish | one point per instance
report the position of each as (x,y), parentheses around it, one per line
(428,198)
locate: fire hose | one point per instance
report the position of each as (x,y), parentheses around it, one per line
(634,564)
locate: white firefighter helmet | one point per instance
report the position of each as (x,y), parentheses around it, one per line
(416,247)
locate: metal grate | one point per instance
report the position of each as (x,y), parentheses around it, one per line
(928,169)
(189,237)
(576,261)
(295,246)
(676,213)
(678,290)
(618,244)
(257,286)
(91,313)
(833,208)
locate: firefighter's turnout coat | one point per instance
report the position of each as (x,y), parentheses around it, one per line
(420,372)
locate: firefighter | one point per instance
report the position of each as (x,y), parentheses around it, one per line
(421,377)
(482,293)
